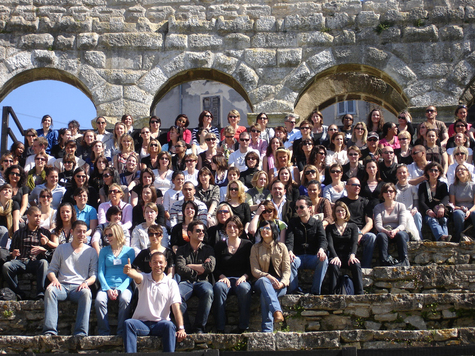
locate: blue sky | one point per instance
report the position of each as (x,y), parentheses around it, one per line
(61,101)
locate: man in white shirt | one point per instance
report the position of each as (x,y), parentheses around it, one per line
(157,295)
(292,132)
(238,157)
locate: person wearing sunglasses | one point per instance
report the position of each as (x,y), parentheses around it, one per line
(416,168)
(16,177)
(47,212)
(205,121)
(80,180)
(195,264)
(460,126)
(403,154)
(99,239)
(30,135)
(266,132)
(270,267)
(149,210)
(372,150)
(5,161)
(9,215)
(217,233)
(439,126)
(154,123)
(387,167)
(460,155)
(101,133)
(205,158)
(151,160)
(336,189)
(238,157)
(178,159)
(459,140)
(233,118)
(309,173)
(39,147)
(359,136)
(353,168)
(66,176)
(307,245)
(266,211)
(229,144)
(298,154)
(115,284)
(258,143)
(390,222)
(252,161)
(404,120)
(72,272)
(233,275)
(115,199)
(433,198)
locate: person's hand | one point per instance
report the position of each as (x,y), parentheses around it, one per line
(413,211)
(180,335)
(226,281)
(291,256)
(43,240)
(55,284)
(431,214)
(241,280)
(260,209)
(127,267)
(321,255)
(467,214)
(112,294)
(335,261)
(36,250)
(352,260)
(15,253)
(82,286)
(440,212)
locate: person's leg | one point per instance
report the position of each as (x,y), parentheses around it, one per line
(334,272)
(124,310)
(401,240)
(269,303)
(132,329)
(167,331)
(244,294)
(39,268)
(10,270)
(355,269)
(368,240)
(186,291)
(220,291)
(84,299)
(382,240)
(4,236)
(100,305)
(418,222)
(52,296)
(434,227)
(443,224)
(204,291)
(294,275)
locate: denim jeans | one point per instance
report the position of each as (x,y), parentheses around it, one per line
(243,292)
(269,302)
(308,262)
(368,241)
(163,328)
(12,268)
(418,222)
(400,239)
(437,229)
(459,222)
(68,291)
(204,291)
(100,305)
(4,236)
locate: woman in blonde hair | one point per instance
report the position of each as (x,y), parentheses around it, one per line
(282,160)
(115,284)
(151,161)
(127,148)
(229,144)
(233,118)
(236,198)
(259,191)
(309,173)
(115,199)
(205,157)
(359,136)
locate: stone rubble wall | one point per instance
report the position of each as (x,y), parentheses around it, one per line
(122,53)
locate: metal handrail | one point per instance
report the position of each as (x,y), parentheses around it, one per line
(6,130)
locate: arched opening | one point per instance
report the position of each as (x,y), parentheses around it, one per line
(351,82)
(195,90)
(38,92)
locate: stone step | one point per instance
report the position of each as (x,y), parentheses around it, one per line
(422,311)
(279,341)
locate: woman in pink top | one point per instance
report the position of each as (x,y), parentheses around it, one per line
(389,136)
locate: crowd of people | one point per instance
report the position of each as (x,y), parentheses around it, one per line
(209,213)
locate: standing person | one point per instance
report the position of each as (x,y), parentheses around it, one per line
(232,274)
(390,222)
(72,271)
(258,143)
(433,197)
(47,131)
(405,123)
(154,123)
(157,295)
(347,124)
(292,132)
(114,282)
(143,149)
(28,252)
(9,215)
(58,150)
(267,132)
(195,264)
(342,239)
(375,121)
(359,136)
(205,157)
(389,136)
(371,187)
(319,131)
(233,118)
(361,214)
(306,243)
(337,150)
(270,266)
(441,129)
(178,159)
(101,133)
(205,121)
(298,154)
(403,154)
(462,194)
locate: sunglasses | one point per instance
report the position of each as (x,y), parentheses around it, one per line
(335,172)
(40,159)
(8,161)
(45,196)
(255,131)
(267,211)
(251,158)
(115,191)
(232,117)
(301,207)
(100,122)
(322,153)
(355,185)
(434,170)
(401,117)
(244,139)
(462,170)
(390,191)
(372,139)
(430,110)
(459,154)
(267,228)
(460,126)
(154,145)
(107,175)
(307,144)
(145,132)
(229,136)
(179,146)
(108,235)
(154,122)
(207,115)
(310,171)
(199,231)
(164,159)
(223,211)
(211,139)
(359,128)
(305,128)
(234,189)
(152,234)
(81,176)
(15,174)
(291,122)
(353,154)
(388,152)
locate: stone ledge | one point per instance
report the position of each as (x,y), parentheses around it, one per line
(280,341)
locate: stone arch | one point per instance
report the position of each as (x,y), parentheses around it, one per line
(32,75)
(351,82)
(199,74)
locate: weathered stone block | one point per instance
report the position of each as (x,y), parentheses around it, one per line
(177,42)
(18,23)
(224,63)
(43,41)
(199,59)
(425,34)
(313,22)
(367,19)
(274,40)
(204,42)
(321,61)
(287,341)
(265,24)
(256,11)
(239,24)
(87,40)
(451,33)
(246,76)
(260,58)
(21,60)
(228,11)
(159,13)
(299,77)
(289,57)
(153,80)
(314,39)
(184,12)
(237,41)
(259,342)
(132,40)
(345,38)
(96,59)
(64,43)
(338,21)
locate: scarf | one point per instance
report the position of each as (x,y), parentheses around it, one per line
(30,180)
(7,212)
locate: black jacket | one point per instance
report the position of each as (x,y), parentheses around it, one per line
(305,239)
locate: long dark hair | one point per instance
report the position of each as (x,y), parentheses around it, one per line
(22,180)
(115,178)
(74,186)
(273,226)
(59,221)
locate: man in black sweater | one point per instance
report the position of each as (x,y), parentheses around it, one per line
(307,243)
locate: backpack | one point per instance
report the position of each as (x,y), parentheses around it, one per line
(344,286)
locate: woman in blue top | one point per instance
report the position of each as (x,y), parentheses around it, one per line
(114,283)
(50,134)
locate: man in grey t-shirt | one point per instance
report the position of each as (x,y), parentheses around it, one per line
(71,272)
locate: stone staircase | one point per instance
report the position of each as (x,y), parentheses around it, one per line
(431,303)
